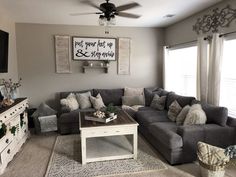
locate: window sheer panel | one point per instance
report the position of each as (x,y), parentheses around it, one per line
(181,68)
(228,78)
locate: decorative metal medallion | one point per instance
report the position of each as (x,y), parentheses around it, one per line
(219,18)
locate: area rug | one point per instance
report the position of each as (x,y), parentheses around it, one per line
(66,161)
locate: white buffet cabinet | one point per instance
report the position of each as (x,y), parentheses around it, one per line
(16,121)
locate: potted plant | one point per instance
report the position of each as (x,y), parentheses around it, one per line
(111,110)
(3,129)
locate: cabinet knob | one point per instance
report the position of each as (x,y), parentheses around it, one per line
(5,116)
(7,140)
(8,151)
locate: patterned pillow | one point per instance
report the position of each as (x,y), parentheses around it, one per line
(158,102)
(174,110)
(83,100)
(182,115)
(70,102)
(195,115)
(97,102)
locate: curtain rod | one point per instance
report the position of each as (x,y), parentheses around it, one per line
(181,44)
(221,35)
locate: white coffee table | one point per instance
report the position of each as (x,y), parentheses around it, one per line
(123,125)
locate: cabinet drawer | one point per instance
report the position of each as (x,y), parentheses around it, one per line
(8,153)
(109,132)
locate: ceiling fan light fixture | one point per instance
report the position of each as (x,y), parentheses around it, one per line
(104,21)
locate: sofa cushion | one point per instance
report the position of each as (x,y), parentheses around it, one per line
(149,94)
(165,132)
(215,114)
(97,102)
(65,94)
(174,110)
(195,115)
(145,118)
(73,116)
(84,100)
(133,91)
(182,100)
(158,102)
(182,115)
(110,96)
(70,101)
(133,100)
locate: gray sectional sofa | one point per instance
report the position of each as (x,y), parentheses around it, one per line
(176,143)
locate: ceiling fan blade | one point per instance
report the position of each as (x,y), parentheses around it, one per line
(90,3)
(127,15)
(127,6)
(85,13)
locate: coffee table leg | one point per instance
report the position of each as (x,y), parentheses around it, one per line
(135,144)
(83,150)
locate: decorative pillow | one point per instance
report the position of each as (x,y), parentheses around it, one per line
(182,115)
(131,110)
(43,110)
(158,102)
(149,94)
(133,100)
(70,102)
(174,110)
(133,91)
(97,102)
(195,115)
(83,100)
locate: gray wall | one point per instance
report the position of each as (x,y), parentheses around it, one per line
(183,32)
(8,25)
(36,60)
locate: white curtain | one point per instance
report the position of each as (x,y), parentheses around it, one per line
(165,55)
(215,63)
(202,68)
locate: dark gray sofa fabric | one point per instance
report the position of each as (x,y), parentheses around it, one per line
(110,96)
(182,100)
(145,118)
(215,114)
(65,94)
(166,133)
(150,92)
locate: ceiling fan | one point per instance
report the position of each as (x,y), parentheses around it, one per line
(108,11)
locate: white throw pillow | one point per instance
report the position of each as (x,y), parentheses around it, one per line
(84,100)
(182,115)
(174,110)
(195,115)
(70,102)
(97,102)
(133,91)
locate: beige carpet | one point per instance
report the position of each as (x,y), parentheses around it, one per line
(33,159)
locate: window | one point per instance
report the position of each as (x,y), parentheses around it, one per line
(228,77)
(180,70)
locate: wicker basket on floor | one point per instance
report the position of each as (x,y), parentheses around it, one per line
(211,170)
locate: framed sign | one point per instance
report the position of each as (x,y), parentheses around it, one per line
(124,56)
(88,48)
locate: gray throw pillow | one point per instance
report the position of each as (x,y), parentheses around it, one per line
(133,100)
(43,110)
(182,115)
(97,102)
(84,100)
(195,115)
(158,102)
(174,110)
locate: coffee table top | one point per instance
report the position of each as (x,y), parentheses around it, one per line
(122,119)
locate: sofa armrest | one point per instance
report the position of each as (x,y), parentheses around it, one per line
(191,135)
(231,122)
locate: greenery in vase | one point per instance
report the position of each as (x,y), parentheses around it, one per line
(3,129)
(111,109)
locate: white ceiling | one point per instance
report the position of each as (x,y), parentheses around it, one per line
(57,11)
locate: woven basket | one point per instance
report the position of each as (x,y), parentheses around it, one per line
(211,170)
